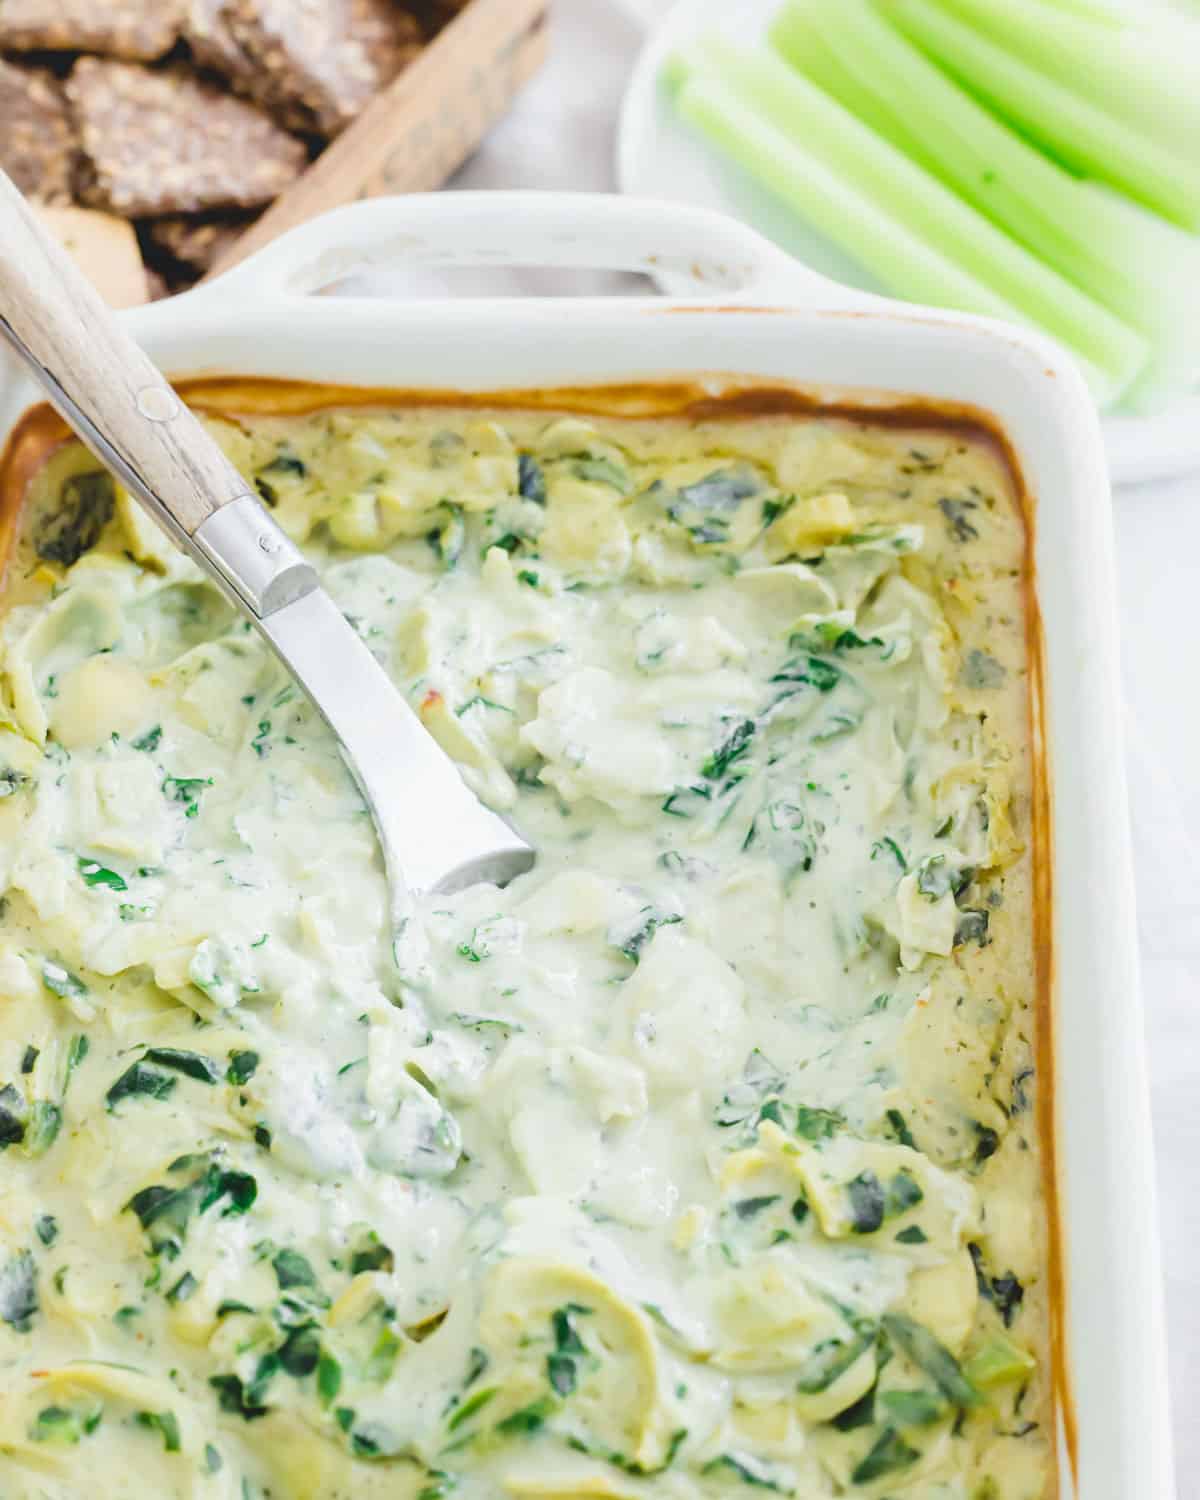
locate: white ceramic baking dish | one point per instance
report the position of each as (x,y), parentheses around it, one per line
(752,312)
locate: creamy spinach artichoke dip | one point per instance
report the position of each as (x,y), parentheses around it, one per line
(700,1161)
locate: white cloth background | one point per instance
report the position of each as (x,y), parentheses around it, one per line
(560,136)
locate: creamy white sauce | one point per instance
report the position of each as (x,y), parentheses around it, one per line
(666,1145)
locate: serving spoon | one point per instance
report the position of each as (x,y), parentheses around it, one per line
(434,832)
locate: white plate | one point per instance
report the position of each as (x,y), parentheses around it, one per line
(659,157)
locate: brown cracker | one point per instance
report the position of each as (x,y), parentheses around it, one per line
(213,46)
(161,142)
(318,62)
(195,242)
(39,145)
(132,29)
(435,14)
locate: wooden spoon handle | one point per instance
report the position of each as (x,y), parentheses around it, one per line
(100,380)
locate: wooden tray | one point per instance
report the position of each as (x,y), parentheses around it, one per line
(424,125)
(409,139)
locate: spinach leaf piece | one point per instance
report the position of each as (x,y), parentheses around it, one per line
(531,480)
(190,1064)
(164,1212)
(528,1419)
(18,1291)
(749,1208)
(233,1397)
(184,1289)
(958,522)
(748,1469)
(914,1408)
(12,1116)
(831,1358)
(65,1426)
(817,1124)
(293,1270)
(86,505)
(601,470)
(706,509)
(899,1129)
(930,1355)
(300,1352)
(139,1079)
(242,1067)
(374,1441)
(1005,1293)
(371,1254)
(809,671)
(733,748)
(972,927)
(889,1455)
(868,1203)
(631,941)
(45,1121)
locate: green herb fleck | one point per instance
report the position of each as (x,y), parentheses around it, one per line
(61,982)
(187,790)
(749,1470)
(65,1426)
(888,845)
(329,1378)
(470,1406)
(528,1419)
(163,1422)
(96,875)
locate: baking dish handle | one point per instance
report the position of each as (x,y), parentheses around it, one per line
(698,254)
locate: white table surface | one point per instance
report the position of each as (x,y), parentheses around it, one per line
(560,135)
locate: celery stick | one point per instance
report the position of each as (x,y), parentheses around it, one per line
(1140,267)
(1082,135)
(919,202)
(1108,12)
(902,262)
(1147,75)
